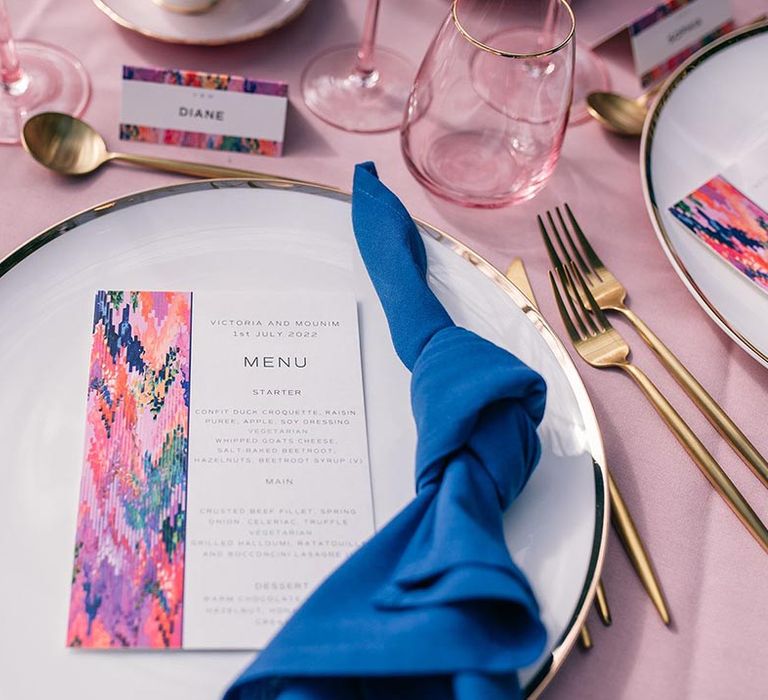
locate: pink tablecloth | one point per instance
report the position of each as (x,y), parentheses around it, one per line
(713,573)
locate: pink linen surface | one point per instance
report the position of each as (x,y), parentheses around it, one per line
(713,573)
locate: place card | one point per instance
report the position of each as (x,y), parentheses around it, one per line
(668,34)
(599,20)
(226,466)
(203,110)
(729,214)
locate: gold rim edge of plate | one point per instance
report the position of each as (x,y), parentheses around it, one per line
(120,20)
(564,646)
(646,143)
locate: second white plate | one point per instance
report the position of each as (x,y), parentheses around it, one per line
(708,116)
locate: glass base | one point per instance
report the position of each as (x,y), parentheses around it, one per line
(344,99)
(589,75)
(53,81)
(482,170)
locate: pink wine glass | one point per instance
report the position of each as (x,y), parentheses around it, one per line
(488,110)
(359,87)
(36,77)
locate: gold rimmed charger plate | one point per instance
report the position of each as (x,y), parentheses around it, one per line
(227,22)
(709,114)
(250,235)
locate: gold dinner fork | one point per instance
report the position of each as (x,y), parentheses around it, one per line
(610,294)
(599,344)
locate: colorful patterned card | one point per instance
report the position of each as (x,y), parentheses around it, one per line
(128,576)
(203,110)
(732,224)
(225,471)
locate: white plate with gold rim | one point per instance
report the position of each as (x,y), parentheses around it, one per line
(240,235)
(709,114)
(226,22)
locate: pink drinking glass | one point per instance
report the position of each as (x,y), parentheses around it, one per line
(488,110)
(36,77)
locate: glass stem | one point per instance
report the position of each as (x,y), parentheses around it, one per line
(548,32)
(12,77)
(364,66)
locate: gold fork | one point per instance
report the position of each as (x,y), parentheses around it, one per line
(601,346)
(610,294)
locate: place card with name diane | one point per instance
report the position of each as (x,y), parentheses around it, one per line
(203,110)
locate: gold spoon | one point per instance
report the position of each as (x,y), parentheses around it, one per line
(620,114)
(71,147)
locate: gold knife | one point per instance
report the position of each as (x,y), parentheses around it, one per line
(620,516)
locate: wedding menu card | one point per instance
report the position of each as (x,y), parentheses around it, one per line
(729,214)
(226,466)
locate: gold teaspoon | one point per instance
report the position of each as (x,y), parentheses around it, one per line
(71,147)
(620,114)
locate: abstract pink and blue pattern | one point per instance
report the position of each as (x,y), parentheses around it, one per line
(731,224)
(128,574)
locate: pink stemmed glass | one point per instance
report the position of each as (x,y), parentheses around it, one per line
(36,77)
(489,107)
(359,87)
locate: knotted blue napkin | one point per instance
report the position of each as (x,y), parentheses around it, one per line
(432,607)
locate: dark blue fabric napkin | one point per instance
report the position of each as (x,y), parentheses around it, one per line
(431,607)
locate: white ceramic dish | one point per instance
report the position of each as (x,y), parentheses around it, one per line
(246,235)
(708,115)
(227,22)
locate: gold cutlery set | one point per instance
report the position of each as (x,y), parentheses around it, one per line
(584,289)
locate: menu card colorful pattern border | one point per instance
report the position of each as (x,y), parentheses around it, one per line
(206,81)
(128,573)
(731,224)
